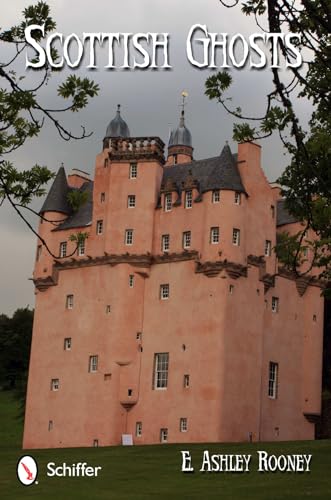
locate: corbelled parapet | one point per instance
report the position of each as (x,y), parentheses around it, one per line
(136,148)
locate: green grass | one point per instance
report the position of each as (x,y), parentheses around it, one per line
(145,472)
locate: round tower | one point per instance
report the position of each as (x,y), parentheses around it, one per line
(180,148)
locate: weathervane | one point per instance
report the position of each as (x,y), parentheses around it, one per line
(184,96)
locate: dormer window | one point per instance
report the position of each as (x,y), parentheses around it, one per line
(63,249)
(237,198)
(167,202)
(188,199)
(216,196)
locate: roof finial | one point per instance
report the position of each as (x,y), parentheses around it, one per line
(62,164)
(118,108)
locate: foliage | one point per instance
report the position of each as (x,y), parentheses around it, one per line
(306,182)
(77,198)
(22,113)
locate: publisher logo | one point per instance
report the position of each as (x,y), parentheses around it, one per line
(27,470)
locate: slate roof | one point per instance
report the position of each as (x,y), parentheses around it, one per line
(56,200)
(83,217)
(117,127)
(220,172)
(283,215)
(180,136)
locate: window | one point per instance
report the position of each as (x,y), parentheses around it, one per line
(50,425)
(81,248)
(163,435)
(188,199)
(99,226)
(129,236)
(267,248)
(93,364)
(167,202)
(186,239)
(106,163)
(237,198)
(183,425)
(133,171)
(214,235)
(39,249)
(273,380)
(102,197)
(55,384)
(95,443)
(131,280)
(63,249)
(165,242)
(175,159)
(236,237)
(139,429)
(67,343)
(216,196)
(272,211)
(164,291)
(69,301)
(161,363)
(131,200)
(108,309)
(231,289)
(186,381)
(275,304)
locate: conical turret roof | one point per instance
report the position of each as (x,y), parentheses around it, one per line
(56,200)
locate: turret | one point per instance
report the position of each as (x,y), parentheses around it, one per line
(180,148)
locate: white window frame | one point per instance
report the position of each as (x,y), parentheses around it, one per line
(67,344)
(70,301)
(183,424)
(81,248)
(133,171)
(164,435)
(63,249)
(131,201)
(128,237)
(214,235)
(164,291)
(273,380)
(55,384)
(161,369)
(93,363)
(275,304)
(139,429)
(236,237)
(267,248)
(186,239)
(237,198)
(168,202)
(131,280)
(99,227)
(189,199)
(216,196)
(165,243)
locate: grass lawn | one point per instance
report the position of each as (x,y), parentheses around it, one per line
(144,472)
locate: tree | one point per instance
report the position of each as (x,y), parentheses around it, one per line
(306,181)
(22,114)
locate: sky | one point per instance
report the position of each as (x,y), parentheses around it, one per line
(150,101)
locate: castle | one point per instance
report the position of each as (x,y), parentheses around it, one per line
(172,321)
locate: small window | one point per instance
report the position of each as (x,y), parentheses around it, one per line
(237,198)
(133,171)
(216,196)
(69,301)
(161,365)
(236,237)
(93,364)
(231,289)
(67,343)
(139,429)
(275,304)
(186,381)
(131,200)
(164,291)
(273,380)
(267,248)
(131,280)
(165,245)
(99,227)
(50,425)
(81,248)
(175,159)
(163,435)
(95,443)
(107,376)
(272,208)
(102,197)
(186,239)
(214,235)
(129,236)
(63,249)
(138,335)
(106,163)
(39,250)
(183,425)
(55,384)
(188,199)
(167,202)
(108,309)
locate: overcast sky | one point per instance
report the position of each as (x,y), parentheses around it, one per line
(150,105)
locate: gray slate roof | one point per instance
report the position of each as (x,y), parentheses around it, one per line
(83,217)
(56,200)
(220,172)
(181,136)
(117,127)
(283,215)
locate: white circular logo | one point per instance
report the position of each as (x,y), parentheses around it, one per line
(27,470)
